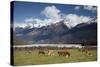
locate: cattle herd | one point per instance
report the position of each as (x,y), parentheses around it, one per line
(52,53)
(42,51)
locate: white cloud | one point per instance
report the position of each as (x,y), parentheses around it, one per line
(85,19)
(91,8)
(33,22)
(77,7)
(44,22)
(29,19)
(40,23)
(54,15)
(51,12)
(19,24)
(73,19)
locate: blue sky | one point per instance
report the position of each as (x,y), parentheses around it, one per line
(26,10)
(23,10)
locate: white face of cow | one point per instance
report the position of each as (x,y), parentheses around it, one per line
(51,52)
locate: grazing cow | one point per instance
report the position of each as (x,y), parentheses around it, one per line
(63,53)
(83,50)
(41,52)
(86,51)
(51,52)
(90,54)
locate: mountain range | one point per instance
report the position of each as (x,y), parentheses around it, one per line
(58,33)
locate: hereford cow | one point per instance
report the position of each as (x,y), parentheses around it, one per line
(63,53)
(50,52)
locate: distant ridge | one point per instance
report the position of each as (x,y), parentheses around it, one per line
(59,33)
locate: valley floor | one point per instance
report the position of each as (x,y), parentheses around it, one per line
(24,57)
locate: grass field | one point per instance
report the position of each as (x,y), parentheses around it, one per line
(23,57)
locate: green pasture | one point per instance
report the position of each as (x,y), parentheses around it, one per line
(23,57)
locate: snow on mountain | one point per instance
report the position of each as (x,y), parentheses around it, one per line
(70,21)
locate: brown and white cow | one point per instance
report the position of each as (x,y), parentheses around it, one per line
(64,53)
(51,52)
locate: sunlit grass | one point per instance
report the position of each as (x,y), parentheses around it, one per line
(24,58)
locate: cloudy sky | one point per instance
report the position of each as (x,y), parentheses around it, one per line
(40,14)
